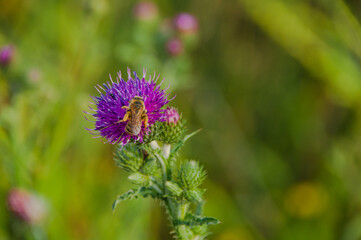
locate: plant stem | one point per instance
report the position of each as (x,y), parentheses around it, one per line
(154,145)
(176,210)
(166,150)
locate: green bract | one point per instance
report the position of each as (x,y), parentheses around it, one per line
(171,133)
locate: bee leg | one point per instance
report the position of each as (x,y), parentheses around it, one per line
(125,107)
(145,119)
(126,116)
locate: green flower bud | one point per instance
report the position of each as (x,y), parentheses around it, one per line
(173,188)
(194,195)
(173,128)
(153,133)
(138,178)
(152,168)
(190,175)
(130,157)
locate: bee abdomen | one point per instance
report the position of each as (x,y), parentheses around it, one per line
(132,130)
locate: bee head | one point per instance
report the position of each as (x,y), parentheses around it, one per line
(135,98)
(137,103)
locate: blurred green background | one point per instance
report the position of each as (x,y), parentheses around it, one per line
(275,86)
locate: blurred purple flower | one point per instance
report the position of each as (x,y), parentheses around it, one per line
(28,207)
(145,11)
(118,94)
(171,115)
(186,23)
(174,46)
(6,55)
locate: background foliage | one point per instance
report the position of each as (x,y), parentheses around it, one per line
(275,86)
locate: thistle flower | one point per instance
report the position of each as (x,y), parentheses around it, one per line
(145,11)
(171,115)
(28,207)
(186,23)
(174,46)
(173,127)
(6,55)
(111,118)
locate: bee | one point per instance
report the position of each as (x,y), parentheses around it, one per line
(136,114)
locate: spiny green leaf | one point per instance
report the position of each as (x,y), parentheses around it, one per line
(193,220)
(180,143)
(191,134)
(135,193)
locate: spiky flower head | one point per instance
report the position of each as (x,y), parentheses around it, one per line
(171,115)
(6,55)
(115,98)
(27,206)
(190,174)
(173,127)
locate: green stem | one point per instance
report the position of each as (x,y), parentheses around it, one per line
(167,200)
(166,150)
(176,210)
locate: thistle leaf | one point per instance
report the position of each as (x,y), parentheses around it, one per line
(193,220)
(135,193)
(180,143)
(188,136)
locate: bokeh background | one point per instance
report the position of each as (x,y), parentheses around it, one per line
(275,86)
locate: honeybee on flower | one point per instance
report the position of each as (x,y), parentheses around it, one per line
(125,109)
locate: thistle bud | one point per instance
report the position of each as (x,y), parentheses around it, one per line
(153,133)
(138,178)
(173,188)
(129,157)
(171,115)
(194,195)
(6,55)
(172,128)
(28,207)
(190,175)
(151,167)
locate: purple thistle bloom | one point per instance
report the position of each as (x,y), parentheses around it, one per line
(6,55)
(171,115)
(116,95)
(186,23)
